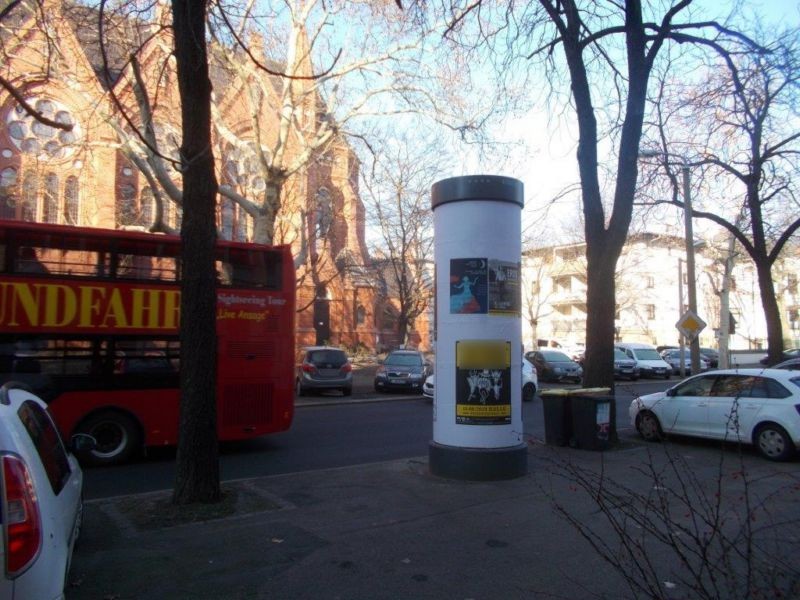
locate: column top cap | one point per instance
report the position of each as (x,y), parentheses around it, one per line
(477,187)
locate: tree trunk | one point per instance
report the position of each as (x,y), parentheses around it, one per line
(598,364)
(772,313)
(197,469)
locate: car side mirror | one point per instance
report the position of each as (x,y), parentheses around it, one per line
(671,392)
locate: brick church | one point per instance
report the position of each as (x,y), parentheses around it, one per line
(282,180)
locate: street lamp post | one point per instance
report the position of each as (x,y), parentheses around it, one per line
(691,281)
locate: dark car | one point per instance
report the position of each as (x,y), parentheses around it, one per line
(711,356)
(787,354)
(673,359)
(402,370)
(554,365)
(624,366)
(324,368)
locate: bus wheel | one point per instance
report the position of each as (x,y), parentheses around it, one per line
(117,436)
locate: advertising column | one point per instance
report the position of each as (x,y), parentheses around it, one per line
(477,420)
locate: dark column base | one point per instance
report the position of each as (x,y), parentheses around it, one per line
(477,464)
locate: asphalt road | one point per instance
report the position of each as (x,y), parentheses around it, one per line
(328,431)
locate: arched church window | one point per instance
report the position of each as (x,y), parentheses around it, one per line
(71,201)
(126,205)
(30,188)
(8,193)
(227,215)
(241,226)
(148,207)
(50,204)
(324,212)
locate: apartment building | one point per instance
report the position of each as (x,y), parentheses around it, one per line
(651,293)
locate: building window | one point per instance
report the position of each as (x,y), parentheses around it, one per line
(8,193)
(50,205)
(324,212)
(71,201)
(651,312)
(241,226)
(227,215)
(361,315)
(30,186)
(126,206)
(148,207)
(651,282)
(791,283)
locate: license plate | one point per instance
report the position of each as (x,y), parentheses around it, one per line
(395,380)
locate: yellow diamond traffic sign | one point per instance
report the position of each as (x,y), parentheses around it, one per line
(690,325)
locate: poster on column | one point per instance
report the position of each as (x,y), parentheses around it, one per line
(468,286)
(483,382)
(504,290)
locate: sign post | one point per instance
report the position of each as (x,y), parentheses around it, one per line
(477,420)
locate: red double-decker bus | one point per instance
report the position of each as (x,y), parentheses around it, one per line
(89,319)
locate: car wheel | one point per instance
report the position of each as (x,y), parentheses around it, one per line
(667,375)
(347,391)
(648,426)
(117,434)
(528,392)
(301,391)
(635,378)
(773,442)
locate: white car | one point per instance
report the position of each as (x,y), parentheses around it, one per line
(41,498)
(751,406)
(530,382)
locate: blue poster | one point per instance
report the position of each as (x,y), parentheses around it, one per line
(469,289)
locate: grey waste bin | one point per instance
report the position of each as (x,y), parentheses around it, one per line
(593,418)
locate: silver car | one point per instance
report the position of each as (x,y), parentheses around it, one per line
(324,368)
(40,494)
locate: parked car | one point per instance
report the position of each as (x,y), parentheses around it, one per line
(402,370)
(324,368)
(554,365)
(530,382)
(673,359)
(787,354)
(711,356)
(793,364)
(647,359)
(751,406)
(625,366)
(40,494)
(428,386)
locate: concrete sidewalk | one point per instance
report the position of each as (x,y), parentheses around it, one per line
(391,530)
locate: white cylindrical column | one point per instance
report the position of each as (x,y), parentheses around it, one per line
(477,428)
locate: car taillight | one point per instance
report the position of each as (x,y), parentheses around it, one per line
(347,367)
(22,521)
(307,368)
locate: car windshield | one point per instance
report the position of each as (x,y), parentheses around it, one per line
(620,355)
(404,360)
(646,354)
(553,356)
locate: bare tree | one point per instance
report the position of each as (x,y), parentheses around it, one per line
(608,52)
(738,127)
(671,531)
(398,193)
